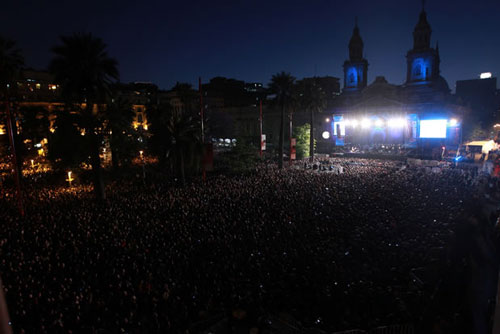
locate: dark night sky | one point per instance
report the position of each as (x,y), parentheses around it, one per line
(168,41)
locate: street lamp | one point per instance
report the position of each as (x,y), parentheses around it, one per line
(69,179)
(141,154)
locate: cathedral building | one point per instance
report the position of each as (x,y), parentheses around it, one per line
(421,112)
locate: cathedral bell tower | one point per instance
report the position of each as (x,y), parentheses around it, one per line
(422,61)
(356,68)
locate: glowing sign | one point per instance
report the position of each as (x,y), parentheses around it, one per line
(485,75)
(435,128)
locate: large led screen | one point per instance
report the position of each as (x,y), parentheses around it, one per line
(435,128)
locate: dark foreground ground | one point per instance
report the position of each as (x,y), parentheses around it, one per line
(371,247)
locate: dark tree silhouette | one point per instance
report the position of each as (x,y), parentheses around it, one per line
(313,99)
(119,117)
(84,70)
(282,85)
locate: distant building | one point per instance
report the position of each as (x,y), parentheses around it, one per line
(230,93)
(482,97)
(34,86)
(139,95)
(254,87)
(330,86)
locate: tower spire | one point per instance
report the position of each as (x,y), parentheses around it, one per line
(356,67)
(356,43)
(422,32)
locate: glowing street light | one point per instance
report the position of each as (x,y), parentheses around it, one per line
(327,119)
(32,163)
(143,167)
(325,135)
(69,179)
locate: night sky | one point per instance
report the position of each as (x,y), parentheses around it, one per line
(168,41)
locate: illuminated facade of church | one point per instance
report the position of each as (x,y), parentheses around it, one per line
(419,113)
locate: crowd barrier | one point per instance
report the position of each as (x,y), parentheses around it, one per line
(393,329)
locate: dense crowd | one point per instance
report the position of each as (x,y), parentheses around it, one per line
(343,251)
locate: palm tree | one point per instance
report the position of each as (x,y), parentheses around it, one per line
(183,140)
(35,123)
(119,117)
(313,99)
(158,117)
(11,62)
(84,70)
(282,85)
(67,148)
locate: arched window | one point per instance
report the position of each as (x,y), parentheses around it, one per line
(352,77)
(417,70)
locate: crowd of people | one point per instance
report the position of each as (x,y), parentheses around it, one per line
(357,249)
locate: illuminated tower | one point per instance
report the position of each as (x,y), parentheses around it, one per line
(356,68)
(422,61)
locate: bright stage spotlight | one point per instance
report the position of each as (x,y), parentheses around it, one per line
(379,123)
(397,122)
(365,123)
(354,123)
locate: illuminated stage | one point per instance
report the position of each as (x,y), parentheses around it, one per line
(411,130)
